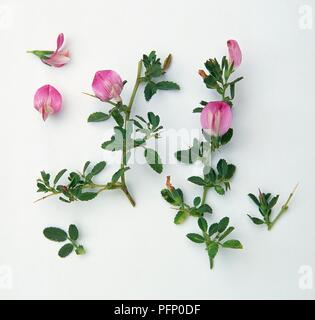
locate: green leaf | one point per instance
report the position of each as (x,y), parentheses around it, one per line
(227,137)
(233,244)
(117,175)
(256,220)
(198,110)
(203,225)
(194,237)
(205,208)
(167,85)
(55,234)
(86,165)
(180,217)
(273,202)
(150,90)
(41,187)
(232,90)
(167,196)
(197,201)
(73,232)
(230,171)
(65,250)
(59,175)
(223,224)
(98,117)
(153,159)
(237,80)
(226,233)
(213,249)
(98,168)
(137,124)
(74,179)
(222,167)
(253,197)
(153,119)
(213,229)
(86,196)
(118,118)
(45,177)
(197,180)
(219,190)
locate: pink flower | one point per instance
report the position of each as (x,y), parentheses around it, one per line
(47,100)
(235,54)
(216,118)
(57,58)
(107,85)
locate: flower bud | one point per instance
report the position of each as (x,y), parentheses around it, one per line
(216,118)
(235,54)
(202,74)
(107,85)
(47,100)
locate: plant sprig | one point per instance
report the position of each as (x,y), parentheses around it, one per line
(80,186)
(219,178)
(213,237)
(265,203)
(59,235)
(175,197)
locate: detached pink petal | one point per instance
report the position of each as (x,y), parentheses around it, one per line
(107,85)
(216,118)
(47,100)
(235,53)
(58,59)
(60,41)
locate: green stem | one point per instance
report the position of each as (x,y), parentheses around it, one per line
(211,262)
(284,208)
(127,118)
(204,195)
(101,187)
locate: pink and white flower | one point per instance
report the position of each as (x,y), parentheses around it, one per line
(107,85)
(47,101)
(216,118)
(57,58)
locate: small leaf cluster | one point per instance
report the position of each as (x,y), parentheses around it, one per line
(218,78)
(176,198)
(201,150)
(76,186)
(154,69)
(265,203)
(218,179)
(115,113)
(59,235)
(124,137)
(213,237)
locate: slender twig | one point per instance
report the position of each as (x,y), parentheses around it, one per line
(283,209)
(127,118)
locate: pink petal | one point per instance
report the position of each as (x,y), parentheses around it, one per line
(58,59)
(60,41)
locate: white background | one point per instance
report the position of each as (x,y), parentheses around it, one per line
(138,253)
